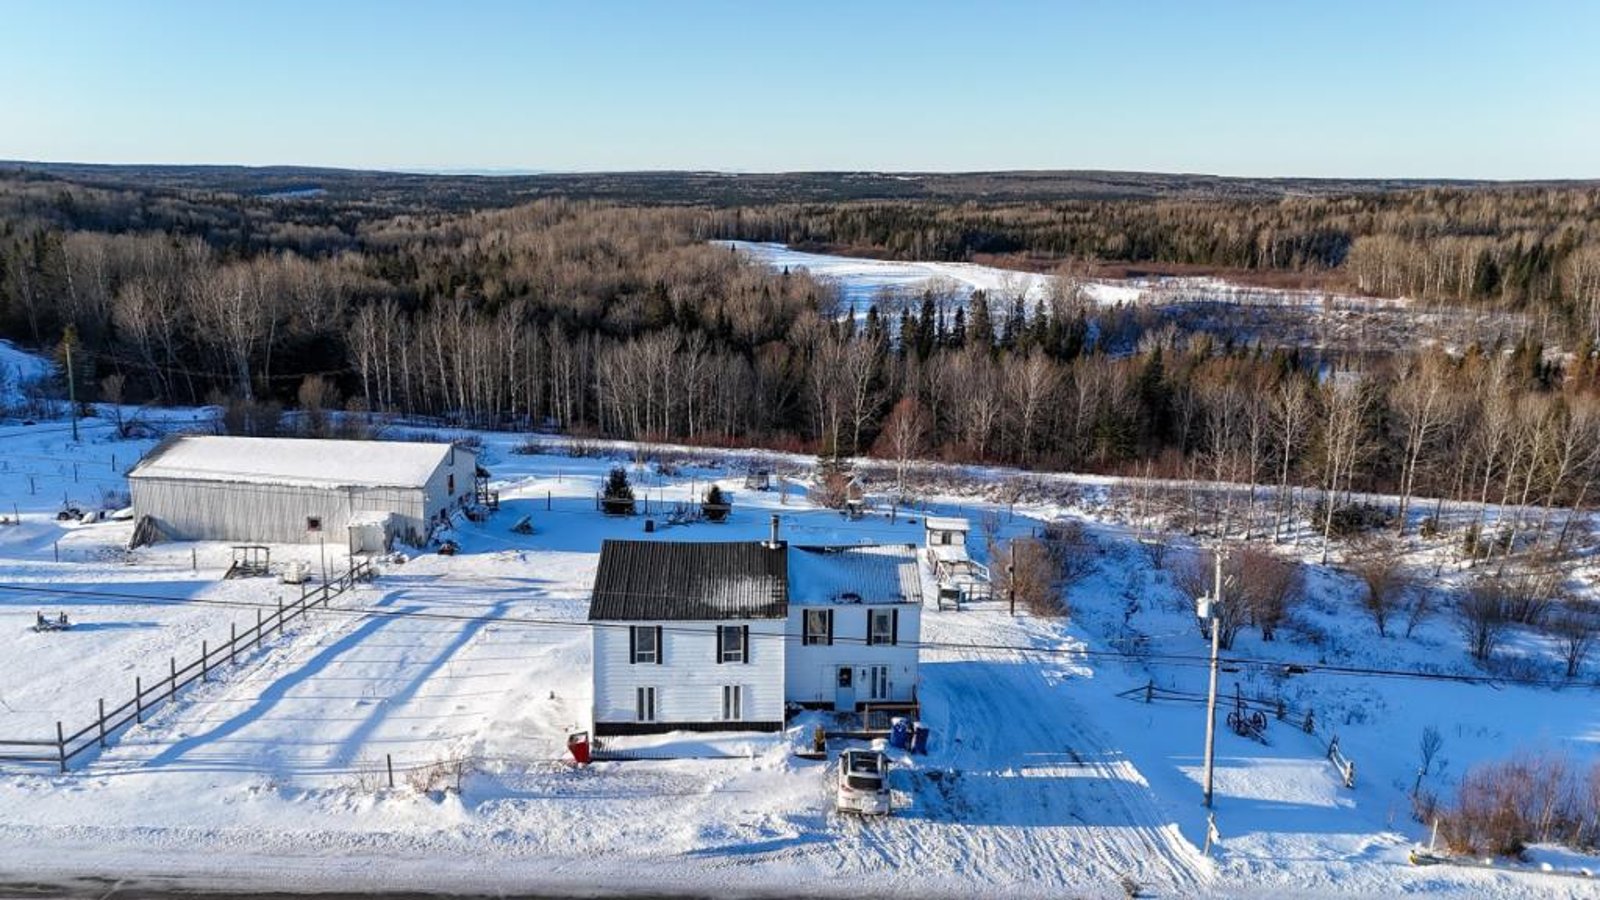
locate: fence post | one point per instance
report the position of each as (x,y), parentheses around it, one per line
(138,700)
(233,643)
(172,689)
(1149,690)
(280,616)
(102,723)
(388,761)
(258,626)
(61,746)
(205,661)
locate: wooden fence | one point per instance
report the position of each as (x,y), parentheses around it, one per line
(65,747)
(1305,720)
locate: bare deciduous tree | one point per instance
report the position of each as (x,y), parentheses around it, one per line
(1383,580)
(1483,617)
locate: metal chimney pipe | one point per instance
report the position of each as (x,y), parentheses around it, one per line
(773,542)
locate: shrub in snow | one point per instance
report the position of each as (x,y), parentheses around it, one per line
(618,494)
(1502,807)
(716,504)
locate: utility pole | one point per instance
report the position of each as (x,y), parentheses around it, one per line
(1211,694)
(1011,575)
(68,338)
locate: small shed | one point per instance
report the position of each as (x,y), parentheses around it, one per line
(941,531)
(371,531)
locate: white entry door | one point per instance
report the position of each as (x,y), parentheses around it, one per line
(844,696)
(878,682)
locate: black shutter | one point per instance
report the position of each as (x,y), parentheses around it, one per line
(746,642)
(719,644)
(829,614)
(661,647)
(633,645)
(894,626)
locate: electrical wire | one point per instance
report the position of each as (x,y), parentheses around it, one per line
(1172,659)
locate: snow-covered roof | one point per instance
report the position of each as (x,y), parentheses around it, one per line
(942,523)
(295,461)
(885,573)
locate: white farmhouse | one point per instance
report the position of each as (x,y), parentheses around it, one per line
(855,614)
(726,636)
(689,636)
(289,490)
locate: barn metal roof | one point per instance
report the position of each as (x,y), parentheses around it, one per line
(681,580)
(295,461)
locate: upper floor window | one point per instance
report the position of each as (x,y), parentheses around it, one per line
(884,626)
(644,642)
(733,643)
(819,627)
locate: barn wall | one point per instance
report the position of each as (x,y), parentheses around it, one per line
(267,513)
(461,463)
(689,680)
(812,669)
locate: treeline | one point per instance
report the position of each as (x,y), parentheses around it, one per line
(598,319)
(1506,248)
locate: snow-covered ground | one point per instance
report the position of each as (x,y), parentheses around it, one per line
(863,282)
(18,367)
(1046,776)
(1275,316)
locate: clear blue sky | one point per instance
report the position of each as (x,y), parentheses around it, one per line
(1507,89)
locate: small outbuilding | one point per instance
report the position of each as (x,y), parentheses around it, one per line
(359,494)
(941,532)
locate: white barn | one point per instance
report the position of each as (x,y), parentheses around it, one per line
(725,636)
(361,494)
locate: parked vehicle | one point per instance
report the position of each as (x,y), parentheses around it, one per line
(863,782)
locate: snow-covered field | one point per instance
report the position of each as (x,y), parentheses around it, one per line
(1043,780)
(1304,318)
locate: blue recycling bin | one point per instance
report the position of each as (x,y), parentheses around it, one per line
(899,732)
(919,738)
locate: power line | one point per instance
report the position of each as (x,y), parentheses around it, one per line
(1172,659)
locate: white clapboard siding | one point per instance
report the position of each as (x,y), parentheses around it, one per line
(689,680)
(812,669)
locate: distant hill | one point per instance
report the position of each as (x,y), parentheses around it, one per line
(455,191)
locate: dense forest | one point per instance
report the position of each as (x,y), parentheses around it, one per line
(594,317)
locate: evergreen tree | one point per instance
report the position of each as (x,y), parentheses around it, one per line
(980,327)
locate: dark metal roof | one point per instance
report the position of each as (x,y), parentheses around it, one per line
(656,580)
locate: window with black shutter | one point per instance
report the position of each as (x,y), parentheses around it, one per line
(880,629)
(644,644)
(733,643)
(819,626)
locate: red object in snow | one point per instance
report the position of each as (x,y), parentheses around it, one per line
(578,746)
